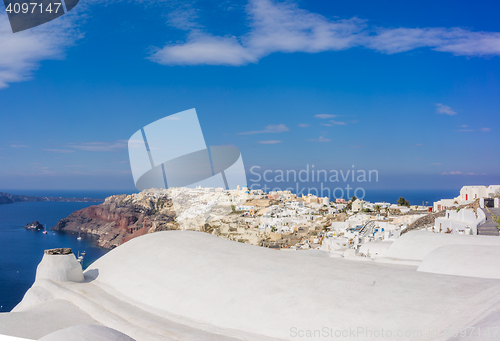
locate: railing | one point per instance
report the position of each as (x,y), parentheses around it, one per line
(367,227)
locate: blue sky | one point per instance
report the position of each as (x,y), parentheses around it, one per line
(410,90)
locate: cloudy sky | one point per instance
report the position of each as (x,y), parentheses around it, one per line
(408,89)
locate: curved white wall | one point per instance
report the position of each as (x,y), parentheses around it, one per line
(464,260)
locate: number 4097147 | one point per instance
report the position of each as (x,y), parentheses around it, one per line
(32,7)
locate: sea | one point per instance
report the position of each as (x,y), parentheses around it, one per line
(424,197)
(21,250)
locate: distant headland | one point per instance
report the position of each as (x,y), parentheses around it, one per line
(7,198)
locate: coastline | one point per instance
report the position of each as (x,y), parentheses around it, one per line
(8,198)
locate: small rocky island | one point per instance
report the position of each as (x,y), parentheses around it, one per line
(34,226)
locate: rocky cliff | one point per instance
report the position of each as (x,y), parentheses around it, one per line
(123,217)
(119,218)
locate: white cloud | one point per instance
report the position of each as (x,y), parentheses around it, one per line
(325,116)
(272,128)
(460,173)
(466,43)
(339,123)
(485,129)
(274,27)
(326,124)
(18,146)
(204,49)
(100,146)
(400,40)
(284,27)
(269,142)
(22,52)
(444,109)
(458,41)
(63,151)
(320,139)
(303,125)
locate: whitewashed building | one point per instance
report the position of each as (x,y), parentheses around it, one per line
(357,205)
(474,192)
(467,195)
(463,222)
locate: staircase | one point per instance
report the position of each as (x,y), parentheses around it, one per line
(489,227)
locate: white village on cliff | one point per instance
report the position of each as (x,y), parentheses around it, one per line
(247,265)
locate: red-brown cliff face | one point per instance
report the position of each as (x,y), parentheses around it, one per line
(119,219)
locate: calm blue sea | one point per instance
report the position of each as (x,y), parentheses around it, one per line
(21,250)
(414,196)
